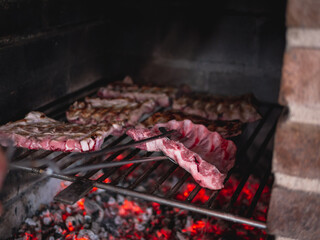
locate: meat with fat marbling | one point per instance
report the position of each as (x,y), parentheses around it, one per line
(37,131)
(121,113)
(225,128)
(204,154)
(218,108)
(126,89)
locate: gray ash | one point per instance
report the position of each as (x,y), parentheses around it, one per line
(103,215)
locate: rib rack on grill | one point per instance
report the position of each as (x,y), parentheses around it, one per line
(204,154)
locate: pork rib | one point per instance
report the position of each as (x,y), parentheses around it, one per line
(120,113)
(126,89)
(37,131)
(225,128)
(204,154)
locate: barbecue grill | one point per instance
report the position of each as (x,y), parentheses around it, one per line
(53,53)
(254,148)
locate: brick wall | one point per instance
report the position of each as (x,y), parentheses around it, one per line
(295,202)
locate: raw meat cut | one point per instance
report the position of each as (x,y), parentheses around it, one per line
(225,128)
(37,131)
(215,108)
(204,154)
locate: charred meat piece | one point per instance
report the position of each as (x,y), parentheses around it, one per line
(37,131)
(204,154)
(218,108)
(126,89)
(120,113)
(226,128)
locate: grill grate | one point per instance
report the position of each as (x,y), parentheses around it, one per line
(253,147)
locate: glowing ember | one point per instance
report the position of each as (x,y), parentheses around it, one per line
(201,196)
(63,185)
(102,215)
(81,203)
(126,166)
(129,207)
(107,180)
(94,189)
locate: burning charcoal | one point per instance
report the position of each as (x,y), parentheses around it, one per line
(111,201)
(57,217)
(103,235)
(139,227)
(71,223)
(95,227)
(87,219)
(87,234)
(118,220)
(107,213)
(38,227)
(93,209)
(30,222)
(120,199)
(189,222)
(46,220)
(68,209)
(57,228)
(62,207)
(180,236)
(79,219)
(111,228)
(98,198)
(114,210)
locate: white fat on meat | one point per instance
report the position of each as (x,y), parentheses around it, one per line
(211,145)
(37,131)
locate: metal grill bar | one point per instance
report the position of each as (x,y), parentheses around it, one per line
(164,177)
(252,165)
(193,193)
(24,155)
(144,175)
(111,170)
(240,154)
(178,185)
(254,134)
(258,193)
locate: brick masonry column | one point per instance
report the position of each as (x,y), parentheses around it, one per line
(294,211)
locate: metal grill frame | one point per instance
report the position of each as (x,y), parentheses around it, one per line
(57,110)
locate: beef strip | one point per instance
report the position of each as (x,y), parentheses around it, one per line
(226,128)
(204,154)
(126,89)
(218,108)
(121,113)
(37,131)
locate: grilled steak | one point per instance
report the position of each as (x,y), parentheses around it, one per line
(214,108)
(37,131)
(126,89)
(225,128)
(120,113)
(204,154)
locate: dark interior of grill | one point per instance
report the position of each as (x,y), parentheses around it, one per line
(54,53)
